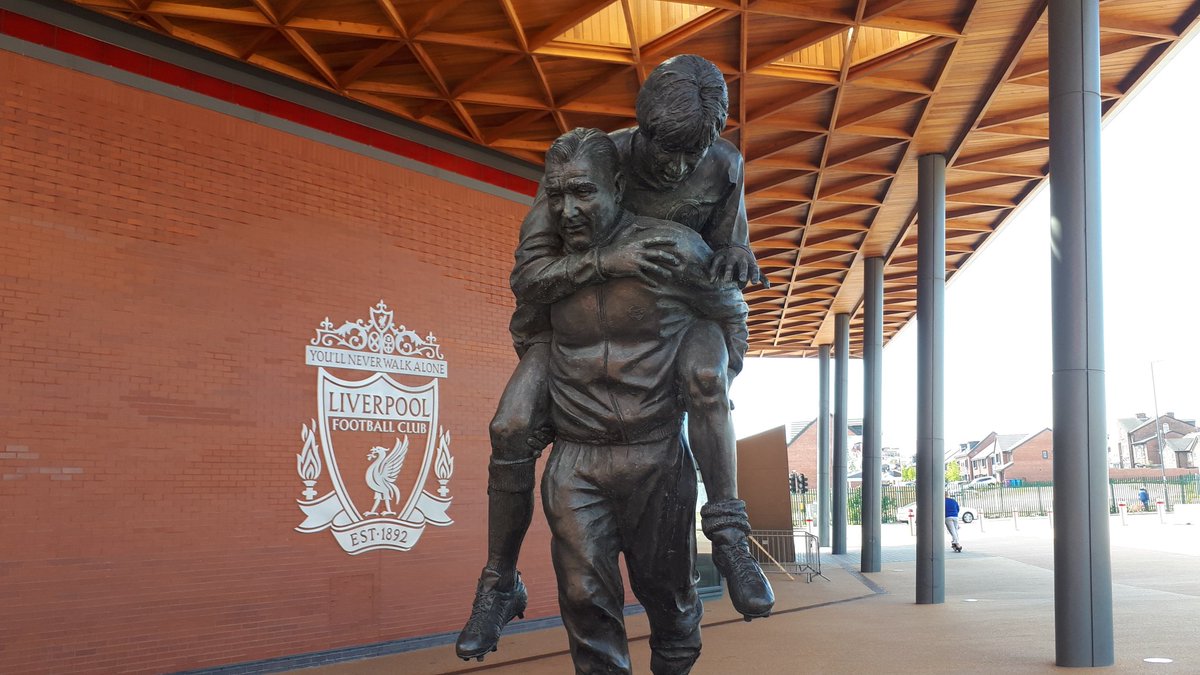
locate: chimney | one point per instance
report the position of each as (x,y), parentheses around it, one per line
(1142,416)
(1169,414)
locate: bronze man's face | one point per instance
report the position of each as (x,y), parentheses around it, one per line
(672,164)
(584,200)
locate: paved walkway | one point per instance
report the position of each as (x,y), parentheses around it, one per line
(998,616)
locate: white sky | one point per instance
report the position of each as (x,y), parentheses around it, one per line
(998,367)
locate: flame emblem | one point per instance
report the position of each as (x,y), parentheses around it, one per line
(443,466)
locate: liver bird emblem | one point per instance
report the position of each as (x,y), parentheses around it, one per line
(381,475)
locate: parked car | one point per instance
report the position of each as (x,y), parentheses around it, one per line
(966,514)
(983,481)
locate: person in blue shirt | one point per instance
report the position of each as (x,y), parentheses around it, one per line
(1144,498)
(952,522)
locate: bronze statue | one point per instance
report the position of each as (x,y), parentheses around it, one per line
(673,166)
(620,479)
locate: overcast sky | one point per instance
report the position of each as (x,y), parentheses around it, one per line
(998,368)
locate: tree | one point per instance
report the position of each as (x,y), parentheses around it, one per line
(953,472)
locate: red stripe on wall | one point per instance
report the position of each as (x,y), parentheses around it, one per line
(47,35)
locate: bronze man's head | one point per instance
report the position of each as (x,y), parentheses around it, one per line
(681,110)
(583,187)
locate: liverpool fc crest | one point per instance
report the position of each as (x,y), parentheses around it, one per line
(376,438)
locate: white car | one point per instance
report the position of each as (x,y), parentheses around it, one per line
(966,514)
(983,481)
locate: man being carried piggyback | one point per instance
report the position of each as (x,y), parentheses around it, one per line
(674,166)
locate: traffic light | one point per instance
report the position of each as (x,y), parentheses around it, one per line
(794,483)
(803,484)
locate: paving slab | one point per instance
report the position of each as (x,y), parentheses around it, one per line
(998,616)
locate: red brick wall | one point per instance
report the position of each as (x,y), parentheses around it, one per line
(1027,459)
(1029,465)
(163,268)
(802,454)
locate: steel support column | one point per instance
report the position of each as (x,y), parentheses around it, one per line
(841,380)
(931,457)
(823,496)
(872,489)
(1083,621)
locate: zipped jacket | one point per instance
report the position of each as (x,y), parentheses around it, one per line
(614,377)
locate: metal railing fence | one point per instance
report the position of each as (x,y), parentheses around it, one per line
(792,552)
(999,501)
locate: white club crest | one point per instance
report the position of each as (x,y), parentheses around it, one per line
(364,428)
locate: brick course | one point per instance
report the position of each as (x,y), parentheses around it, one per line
(164,267)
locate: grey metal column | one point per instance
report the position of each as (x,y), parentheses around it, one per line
(931,457)
(823,450)
(872,489)
(1083,620)
(841,380)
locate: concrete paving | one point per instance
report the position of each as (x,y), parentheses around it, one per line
(998,616)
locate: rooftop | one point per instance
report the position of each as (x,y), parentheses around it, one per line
(832,101)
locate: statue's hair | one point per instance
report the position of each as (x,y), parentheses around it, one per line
(684,103)
(591,143)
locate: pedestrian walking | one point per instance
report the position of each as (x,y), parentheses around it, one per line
(952,522)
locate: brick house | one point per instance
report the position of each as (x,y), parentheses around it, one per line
(1181,452)
(802,447)
(1031,459)
(1134,441)
(959,457)
(989,457)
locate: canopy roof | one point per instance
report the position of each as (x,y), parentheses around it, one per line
(832,101)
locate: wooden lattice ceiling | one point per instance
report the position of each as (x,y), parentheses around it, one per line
(832,101)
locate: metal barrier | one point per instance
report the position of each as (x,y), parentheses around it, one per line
(787,551)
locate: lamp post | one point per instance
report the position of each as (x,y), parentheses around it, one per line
(1162,451)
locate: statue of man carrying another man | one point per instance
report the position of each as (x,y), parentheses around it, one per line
(623,324)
